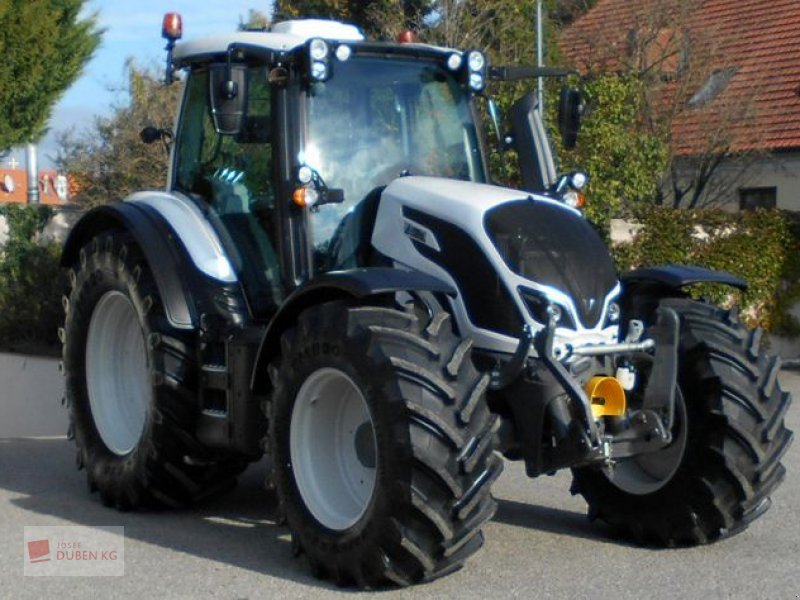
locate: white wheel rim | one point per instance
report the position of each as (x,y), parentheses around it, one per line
(648,473)
(117,373)
(333,449)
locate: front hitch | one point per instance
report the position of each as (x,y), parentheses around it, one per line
(649,428)
(580,440)
(543,343)
(659,396)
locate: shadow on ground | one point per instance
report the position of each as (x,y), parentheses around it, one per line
(237,529)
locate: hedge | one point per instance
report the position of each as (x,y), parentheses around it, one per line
(31,282)
(762,247)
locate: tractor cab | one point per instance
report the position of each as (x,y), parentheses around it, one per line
(288,136)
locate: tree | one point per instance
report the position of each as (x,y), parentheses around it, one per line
(109,161)
(31,281)
(377,18)
(44,45)
(624,158)
(680,62)
(256,21)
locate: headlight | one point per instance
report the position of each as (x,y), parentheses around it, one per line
(476,81)
(541,308)
(343,52)
(613,312)
(454,62)
(476,61)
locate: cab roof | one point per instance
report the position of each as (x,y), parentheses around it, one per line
(282,37)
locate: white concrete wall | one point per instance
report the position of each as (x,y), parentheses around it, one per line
(779,170)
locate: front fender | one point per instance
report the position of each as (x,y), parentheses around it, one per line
(337,285)
(676,277)
(643,288)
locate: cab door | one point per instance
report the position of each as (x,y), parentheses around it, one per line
(228,167)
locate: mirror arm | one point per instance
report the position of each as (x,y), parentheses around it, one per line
(229,87)
(521,73)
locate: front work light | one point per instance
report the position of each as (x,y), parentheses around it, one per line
(476,70)
(318,49)
(319,55)
(476,61)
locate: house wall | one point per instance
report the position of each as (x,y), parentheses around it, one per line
(780,170)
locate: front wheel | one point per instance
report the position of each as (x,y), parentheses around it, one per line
(382,444)
(728,439)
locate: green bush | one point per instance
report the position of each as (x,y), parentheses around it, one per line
(762,247)
(31,282)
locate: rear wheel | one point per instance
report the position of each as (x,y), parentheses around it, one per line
(131,385)
(383,445)
(729,436)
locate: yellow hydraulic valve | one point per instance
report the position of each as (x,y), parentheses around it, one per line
(607,396)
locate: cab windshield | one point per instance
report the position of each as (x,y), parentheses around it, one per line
(377,119)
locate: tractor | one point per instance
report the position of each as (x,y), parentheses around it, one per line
(330,278)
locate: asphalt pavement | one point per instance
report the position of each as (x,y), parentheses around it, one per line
(539,545)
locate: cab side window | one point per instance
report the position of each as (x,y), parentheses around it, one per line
(233,175)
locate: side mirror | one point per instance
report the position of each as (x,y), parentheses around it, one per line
(151,134)
(536,163)
(570,110)
(228,93)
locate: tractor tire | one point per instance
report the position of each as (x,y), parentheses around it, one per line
(383,444)
(131,385)
(729,437)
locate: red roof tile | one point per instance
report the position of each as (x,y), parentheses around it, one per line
(758,109)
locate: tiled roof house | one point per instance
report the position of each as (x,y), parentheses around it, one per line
(749,52)
(14,187)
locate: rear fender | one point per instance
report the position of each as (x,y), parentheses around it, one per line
(164,256)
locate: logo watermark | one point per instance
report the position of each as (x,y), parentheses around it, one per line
(74,551)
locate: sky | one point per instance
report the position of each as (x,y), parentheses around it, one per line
(132,30)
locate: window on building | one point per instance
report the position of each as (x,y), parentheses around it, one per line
(760,197)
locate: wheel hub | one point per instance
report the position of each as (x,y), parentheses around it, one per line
(365,445)
(333,448)
(117,373)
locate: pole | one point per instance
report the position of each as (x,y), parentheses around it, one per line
(540,53)
(33,175)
